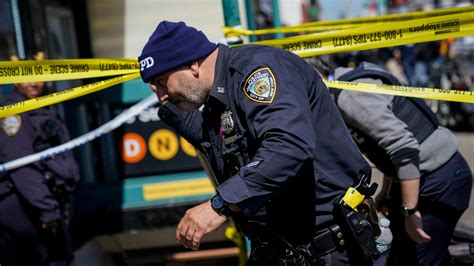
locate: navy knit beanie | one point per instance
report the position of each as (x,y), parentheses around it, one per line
(172,45)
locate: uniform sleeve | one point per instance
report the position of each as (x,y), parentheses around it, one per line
(28,181)
(63,165)
(282,125)
(31,185)
(187,124)
(372,114)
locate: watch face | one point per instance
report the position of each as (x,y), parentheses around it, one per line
(405,211)
(217,202)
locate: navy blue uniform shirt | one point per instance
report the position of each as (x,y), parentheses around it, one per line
(29,133)
(297,152)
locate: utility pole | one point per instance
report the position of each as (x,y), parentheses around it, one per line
(276,19)
(232,19)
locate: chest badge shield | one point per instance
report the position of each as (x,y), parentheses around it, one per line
(260,86)
(227,124)
(11,125)
(227,131)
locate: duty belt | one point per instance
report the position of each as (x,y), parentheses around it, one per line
(325,242)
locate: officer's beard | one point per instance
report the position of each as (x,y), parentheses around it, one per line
(193,98)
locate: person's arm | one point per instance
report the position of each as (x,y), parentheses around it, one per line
(63,166)
(187,124)
(28,181)
(413,223)
(202,219)
(372,114)
(409,192)
(32,187)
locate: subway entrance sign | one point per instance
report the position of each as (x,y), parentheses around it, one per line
(147,146)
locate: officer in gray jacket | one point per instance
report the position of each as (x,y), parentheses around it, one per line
(426,179)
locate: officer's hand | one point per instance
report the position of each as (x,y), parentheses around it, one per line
(414,228)
(196,223)
(49,225)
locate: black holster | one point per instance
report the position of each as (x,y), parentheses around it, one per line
(269,254)
(60,193)
(358,231)
(270,248)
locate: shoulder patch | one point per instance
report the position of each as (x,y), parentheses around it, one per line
(11,125)
(260,86)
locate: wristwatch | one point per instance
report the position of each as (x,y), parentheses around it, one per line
(219,205)
(407,211)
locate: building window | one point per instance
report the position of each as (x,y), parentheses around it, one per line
(7,31)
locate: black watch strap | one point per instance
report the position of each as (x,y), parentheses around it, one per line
(219,205)
(407,211)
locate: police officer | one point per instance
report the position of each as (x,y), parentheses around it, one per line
(277,144)
(430,181)
(33,198)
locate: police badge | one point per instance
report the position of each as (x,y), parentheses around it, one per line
(227,124)
(260,86)
(11,125)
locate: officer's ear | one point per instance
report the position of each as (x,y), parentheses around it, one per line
(194,67)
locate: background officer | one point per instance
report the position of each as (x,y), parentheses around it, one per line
(427,179)
(274,138)
(33,198)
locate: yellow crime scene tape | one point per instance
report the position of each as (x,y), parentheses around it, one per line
(378,36)
(64,95)
(346,23)
(407,91)
(361,38)
(235,32)
(64,69)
